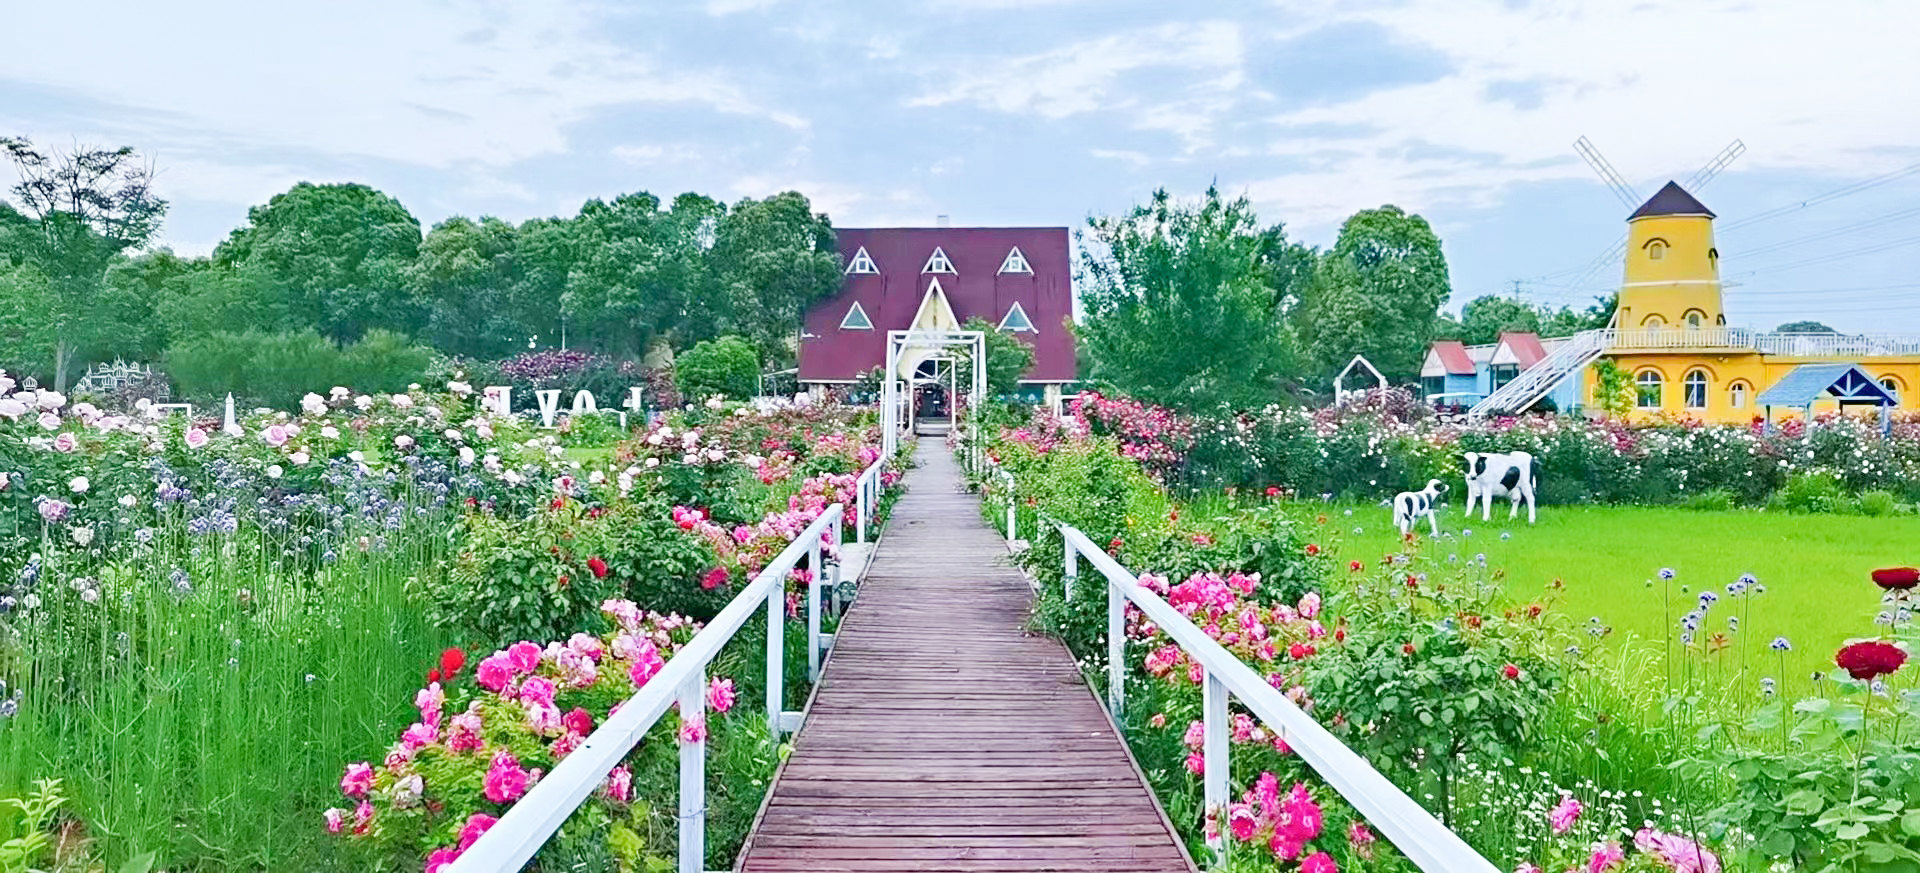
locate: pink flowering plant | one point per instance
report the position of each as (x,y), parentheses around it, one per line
(483,739)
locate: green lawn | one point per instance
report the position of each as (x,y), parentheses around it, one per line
(1814,568)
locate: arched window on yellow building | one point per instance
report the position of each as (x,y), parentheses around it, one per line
(1892,384)
(1653,321)
(1656,249)
(1648,384)
(1695,319)
(1695,389)
(1737,394)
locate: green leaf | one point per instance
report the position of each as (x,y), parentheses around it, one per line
(1851,831)
(142,863)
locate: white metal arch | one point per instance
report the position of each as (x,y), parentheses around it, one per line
(924,344)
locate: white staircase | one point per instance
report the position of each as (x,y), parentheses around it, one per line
(1526,389)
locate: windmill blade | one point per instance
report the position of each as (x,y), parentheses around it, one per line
(1617,185)
(1720,161)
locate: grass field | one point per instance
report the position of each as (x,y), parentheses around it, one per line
(1815,569)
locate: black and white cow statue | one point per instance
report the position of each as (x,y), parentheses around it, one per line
(1409,506)
(1501,474)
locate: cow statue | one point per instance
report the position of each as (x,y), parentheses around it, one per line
(1409,506)
(1501,474)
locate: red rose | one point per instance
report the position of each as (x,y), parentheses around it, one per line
(433,675)
(598,567)
(564,580)
(1313,549)
(714,578)
(451,661)
(1354,566)
(558,503)
(1339,635)
(1273,491)
(1897,578)
(1510,671)
(1870,659)
(579,721)
(1406,648)
(1298,651)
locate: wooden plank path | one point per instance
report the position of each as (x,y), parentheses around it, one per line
(942,736)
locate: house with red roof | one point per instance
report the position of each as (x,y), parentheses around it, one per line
(1456,374)
(1020,279)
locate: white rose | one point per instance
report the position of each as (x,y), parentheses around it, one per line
(128,500)
(451,435)
(79,484)
(299,459)
(691,458)
(330,432)
(716,455)
(466,456)
(363,402)
(461,389)
(313,404)
(82,536)
(403,401)
(484,431)
(596,477)
(403,442)
(274,471)
(339,392)
(356,456)
(653,462)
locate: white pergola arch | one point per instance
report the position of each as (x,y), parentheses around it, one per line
(906,350)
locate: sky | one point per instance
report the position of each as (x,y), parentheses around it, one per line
(1043,112)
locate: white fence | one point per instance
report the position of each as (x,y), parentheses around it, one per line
(1426,842)
(531,822)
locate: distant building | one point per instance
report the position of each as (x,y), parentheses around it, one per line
(1670,335)
(936,278)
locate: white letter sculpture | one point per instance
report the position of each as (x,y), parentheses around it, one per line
(549,405)
(497,399)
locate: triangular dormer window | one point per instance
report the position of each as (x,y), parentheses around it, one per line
(1015,263)
(938,263)
(856,319)
(1017,320)
(935,313)
(862,264)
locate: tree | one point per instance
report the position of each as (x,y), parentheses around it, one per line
(78,212)
(1485,318)
(1181,302)
(341,252)
(1804,327)
(725,366)
(465,277)
(774,258)
(1375,294)
(638,269)
(1007,358)
(210,298)
(1613,388)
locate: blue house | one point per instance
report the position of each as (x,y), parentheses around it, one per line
(1456,374)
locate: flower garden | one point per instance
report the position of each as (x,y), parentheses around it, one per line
(349,637)
(1673,720)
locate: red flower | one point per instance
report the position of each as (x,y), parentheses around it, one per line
(473,501)
(433,675)
(1339,635)
(1897,578)
(598,567)
(1354,566)
(1406,648)
(579,721)
(714,578)
(1299,651)
(1870,659)
(1510,671)
(451,661)
(1273,491)
(1313,549)
(564,580)
(558,503)
(1114,547)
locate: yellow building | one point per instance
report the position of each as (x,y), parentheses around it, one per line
(1670,335)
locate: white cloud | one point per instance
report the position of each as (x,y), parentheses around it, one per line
(1081,77)
(729,7)
(1660,88)
(440,85)
(1131,158)
(651,154)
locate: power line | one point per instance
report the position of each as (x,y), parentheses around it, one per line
(1869,224)
(1836,256)
(1835,194)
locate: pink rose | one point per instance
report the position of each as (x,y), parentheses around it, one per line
(494,672)
(464,735)
(358,780)
(65,442)
(275,435)
(537,689)
(579,721)
(196,438)
(720,695)
(523,656)
(646,663)
(336,819)
(49,421)
(543,719)
(505,781)
(477,824)
(441,859)
(620,784)
(419,735)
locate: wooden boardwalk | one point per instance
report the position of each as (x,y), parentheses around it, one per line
(943,737)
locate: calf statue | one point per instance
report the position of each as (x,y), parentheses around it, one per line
(1501,474)
(1409,506)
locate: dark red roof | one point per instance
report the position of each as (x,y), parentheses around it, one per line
(1526,347)
(1671,199)
(1454,357)
(892,297)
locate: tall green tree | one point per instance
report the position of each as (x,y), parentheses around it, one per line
(638,268)
(1376,293)
(1007,358)
(209,297)
(1185,302)
(341,251)
(773,258)
(77,212)
(465,278)
(1483,319)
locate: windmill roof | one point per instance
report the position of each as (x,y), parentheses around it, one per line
(1671,199)
(1803,384)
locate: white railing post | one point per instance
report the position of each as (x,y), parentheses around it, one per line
(1116,650)
(1072,568)
(860,511)
(776,649)
(1013,511)
(693,776)
(816,575)
(1216,767)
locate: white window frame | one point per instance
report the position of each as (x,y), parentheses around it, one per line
(1024,318)
(1891,386)
(1687,385)
(1016,262)
(938,262)
(862,264)
(1640,384)
(1737,395)
(868,322)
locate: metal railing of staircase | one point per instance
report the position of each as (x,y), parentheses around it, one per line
(520,833)
(1430,845)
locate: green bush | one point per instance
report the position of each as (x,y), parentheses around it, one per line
(1810,492)
(535,578)
(1714,500)
(277,369)
(726,366)
(1878,503)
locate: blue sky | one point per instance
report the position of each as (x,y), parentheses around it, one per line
(1040,112)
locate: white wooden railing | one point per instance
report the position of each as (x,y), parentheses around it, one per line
(1430,845)
(866,490)
(533,820)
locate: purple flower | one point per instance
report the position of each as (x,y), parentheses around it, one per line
(52,509)
(1780,644)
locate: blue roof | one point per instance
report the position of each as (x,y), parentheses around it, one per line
(1846,382)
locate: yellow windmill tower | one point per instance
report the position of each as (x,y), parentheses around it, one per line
(1672,275)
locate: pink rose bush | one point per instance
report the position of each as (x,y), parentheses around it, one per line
(477,748)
